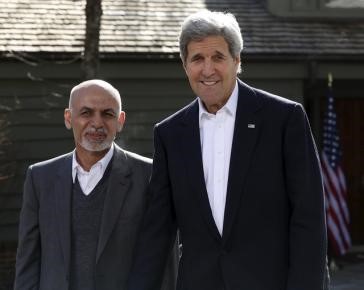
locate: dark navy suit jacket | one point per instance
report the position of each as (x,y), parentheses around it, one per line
(274,235)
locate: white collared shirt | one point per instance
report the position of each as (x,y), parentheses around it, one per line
(89,179)
(216,133)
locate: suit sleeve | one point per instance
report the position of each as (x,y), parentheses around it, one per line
(158,231)
(307,227)
(28,253)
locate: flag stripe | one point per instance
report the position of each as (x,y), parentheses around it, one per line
(343,194)
(336,200)
(340,227)
(333,233)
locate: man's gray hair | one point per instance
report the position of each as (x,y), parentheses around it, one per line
(206,23)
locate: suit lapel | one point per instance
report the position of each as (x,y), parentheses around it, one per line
(193,158)
(118,185)
(246,132)
(63,193)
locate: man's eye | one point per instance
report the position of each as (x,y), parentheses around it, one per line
(219,57)
(109,114)
(85,113)
(196,59)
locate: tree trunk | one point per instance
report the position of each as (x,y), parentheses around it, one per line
(90,63)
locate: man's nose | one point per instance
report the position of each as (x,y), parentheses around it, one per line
(208,68)
(97,121)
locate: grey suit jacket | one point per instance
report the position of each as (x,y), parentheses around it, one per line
(43,256)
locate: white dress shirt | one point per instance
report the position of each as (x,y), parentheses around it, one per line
(89,179)
(216,133)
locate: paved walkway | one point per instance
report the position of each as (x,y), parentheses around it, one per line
(350,273)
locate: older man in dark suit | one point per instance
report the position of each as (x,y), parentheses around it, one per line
(237,172)
(81,211)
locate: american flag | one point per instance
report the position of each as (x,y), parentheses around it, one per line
(337,212)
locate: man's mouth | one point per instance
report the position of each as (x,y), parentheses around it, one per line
(209,83)
(96,136)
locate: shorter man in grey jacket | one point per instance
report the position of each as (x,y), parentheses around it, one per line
(81,211)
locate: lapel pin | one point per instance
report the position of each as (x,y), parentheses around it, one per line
(251,126)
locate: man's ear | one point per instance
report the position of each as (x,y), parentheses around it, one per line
(67,119)
(121,120)
(237,62)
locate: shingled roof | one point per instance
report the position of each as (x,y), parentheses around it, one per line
(151,27)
